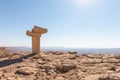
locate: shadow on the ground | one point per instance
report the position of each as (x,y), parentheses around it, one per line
(12,61)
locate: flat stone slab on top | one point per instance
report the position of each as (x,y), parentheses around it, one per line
(39,30)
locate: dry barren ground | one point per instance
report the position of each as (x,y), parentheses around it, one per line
(58,66)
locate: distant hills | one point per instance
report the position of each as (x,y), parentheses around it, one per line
(78,50)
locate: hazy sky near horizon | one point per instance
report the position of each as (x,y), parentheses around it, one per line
(70,23)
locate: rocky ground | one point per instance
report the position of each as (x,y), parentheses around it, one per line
(58,66)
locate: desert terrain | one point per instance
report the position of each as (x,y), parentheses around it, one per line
(55,65)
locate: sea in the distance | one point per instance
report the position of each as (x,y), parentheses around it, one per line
(78,50)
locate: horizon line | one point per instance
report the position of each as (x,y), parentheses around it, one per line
(63,47)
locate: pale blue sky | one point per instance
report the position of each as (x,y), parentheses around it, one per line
(70,23)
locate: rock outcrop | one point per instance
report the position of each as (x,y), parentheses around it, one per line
(60,66)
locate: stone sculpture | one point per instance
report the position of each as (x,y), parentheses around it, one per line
(36,34)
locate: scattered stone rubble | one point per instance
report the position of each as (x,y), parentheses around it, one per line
(60,66)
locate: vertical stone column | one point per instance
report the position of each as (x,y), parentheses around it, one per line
(36,34)
(35,44)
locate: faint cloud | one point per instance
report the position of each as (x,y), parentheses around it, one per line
(85,3)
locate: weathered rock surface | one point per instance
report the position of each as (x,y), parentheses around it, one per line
(59,66)
(26,70)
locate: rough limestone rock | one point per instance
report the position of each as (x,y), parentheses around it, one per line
(26,70)
(117,68)
(59,78)
(60,66)
(92,77)
(67,67)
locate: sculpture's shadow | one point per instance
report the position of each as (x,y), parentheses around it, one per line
(5,63)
